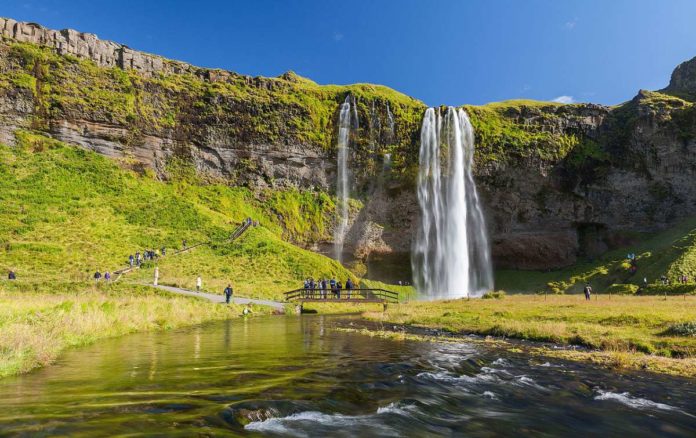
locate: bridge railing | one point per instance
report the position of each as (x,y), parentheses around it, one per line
(348,295)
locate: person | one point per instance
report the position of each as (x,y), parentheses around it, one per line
(97,276)
(137,258)
(323,288)
(339,286)
(164,251)
(228,293)
(332,283)
(645,281)
(349,287)
(131,259)
(183,243)
(107,276)
(156,276)
(11,275)
(588,291)
(199,284)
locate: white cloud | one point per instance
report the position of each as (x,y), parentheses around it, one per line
(564,99)
(570,25)
(337,36)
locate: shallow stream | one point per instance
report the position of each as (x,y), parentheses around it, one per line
(296,376)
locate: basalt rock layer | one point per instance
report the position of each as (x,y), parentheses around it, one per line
(558,181)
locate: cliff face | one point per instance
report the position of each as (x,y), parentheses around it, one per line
(558,181)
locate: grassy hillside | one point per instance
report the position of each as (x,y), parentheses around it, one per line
(671,252)
(65,212)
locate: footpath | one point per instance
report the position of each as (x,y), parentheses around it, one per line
(221,298)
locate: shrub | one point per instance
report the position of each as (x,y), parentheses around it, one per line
(682,329)
(623,289)
(498,295)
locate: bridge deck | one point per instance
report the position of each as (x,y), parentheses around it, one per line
(354,295)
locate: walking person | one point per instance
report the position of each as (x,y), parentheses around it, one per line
(199,284)
(11,275)
(349,287)
(228,293)
(107,277)
(131,260)
(97,276)
(156,276)
(588,291)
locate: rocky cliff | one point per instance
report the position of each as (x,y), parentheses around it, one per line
(559,181)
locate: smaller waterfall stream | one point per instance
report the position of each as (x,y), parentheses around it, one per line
(342,177)
(451,256)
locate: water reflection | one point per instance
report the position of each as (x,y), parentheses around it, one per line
(295,376)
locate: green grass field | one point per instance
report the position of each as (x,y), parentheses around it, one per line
(636,328)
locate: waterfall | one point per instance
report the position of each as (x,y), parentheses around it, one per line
(390,121)
(451,254)
(342,187)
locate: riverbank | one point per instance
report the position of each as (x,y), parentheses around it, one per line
(621,332)
(38,321)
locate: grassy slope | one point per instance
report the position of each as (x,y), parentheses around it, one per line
(65,212)
(671,252)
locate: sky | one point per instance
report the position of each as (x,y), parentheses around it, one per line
(444,52)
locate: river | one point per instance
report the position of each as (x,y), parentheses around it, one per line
(296,376)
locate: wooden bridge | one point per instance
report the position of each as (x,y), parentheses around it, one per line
(355,296)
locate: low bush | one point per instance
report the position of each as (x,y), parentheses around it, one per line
(623,289)
(498,295)
(682,329)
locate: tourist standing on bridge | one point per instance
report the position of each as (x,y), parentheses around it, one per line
(228,293)
(332,283)
(323,288)
(199,284)
(339,286)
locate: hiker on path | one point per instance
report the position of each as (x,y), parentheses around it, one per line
(156,276)
(11,275)
(131,260)
(349,287)
(97,276)
(164,251)
(199,284)
(137,258)
(107,276)
(228,293)
(588,291)
(184,243)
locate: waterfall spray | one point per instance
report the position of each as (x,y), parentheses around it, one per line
(451,255)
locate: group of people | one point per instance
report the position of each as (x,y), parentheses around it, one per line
(681,279)
(98,276)
(148,254)
(324,286)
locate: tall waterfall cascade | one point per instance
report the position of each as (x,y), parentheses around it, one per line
(345,123)
(451,253)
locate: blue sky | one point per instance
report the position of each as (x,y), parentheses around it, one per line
(442,52)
